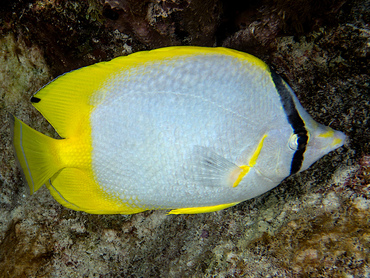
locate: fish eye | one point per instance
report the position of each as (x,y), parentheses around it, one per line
(298,141)
(293,142)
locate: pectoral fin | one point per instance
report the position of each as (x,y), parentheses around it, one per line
(213,170)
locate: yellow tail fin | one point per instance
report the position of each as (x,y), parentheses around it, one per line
(35,153)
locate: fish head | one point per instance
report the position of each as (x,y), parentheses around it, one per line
(282,155)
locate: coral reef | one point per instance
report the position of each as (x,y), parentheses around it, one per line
(315,224)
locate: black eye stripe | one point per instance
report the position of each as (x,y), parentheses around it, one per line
(295,121)
(302,140)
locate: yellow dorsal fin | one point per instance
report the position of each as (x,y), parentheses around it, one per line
(66,102)
(201,209)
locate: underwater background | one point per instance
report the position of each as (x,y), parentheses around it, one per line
(314,224)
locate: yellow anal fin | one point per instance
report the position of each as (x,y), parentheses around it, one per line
(77,190)
(201,209)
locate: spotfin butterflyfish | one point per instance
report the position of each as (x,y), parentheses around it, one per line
(188,129)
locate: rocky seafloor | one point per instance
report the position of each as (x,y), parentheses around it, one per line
(314,224)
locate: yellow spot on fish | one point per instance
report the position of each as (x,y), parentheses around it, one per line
(245,168)
(336,141)
(328,134)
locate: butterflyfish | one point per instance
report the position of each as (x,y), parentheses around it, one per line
(185,129)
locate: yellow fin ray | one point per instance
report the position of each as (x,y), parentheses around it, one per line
(196,210)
